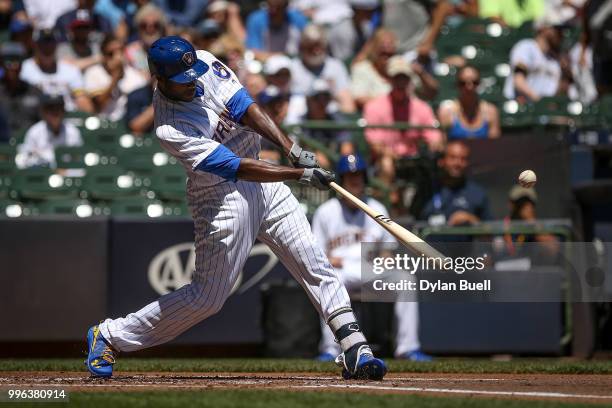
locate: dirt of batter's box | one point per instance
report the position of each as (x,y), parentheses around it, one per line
(560,387)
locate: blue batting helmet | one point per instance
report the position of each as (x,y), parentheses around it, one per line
(175,58)
(351,163)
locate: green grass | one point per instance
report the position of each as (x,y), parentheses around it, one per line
(284,399)
(441,365)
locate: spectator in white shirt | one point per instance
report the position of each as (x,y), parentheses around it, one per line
(109,83)
(536,71)
(314,63)
(51,76)
(41,139)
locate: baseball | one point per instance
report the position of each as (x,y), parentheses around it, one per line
(527,178)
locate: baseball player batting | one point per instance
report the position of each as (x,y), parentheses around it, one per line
(208,121)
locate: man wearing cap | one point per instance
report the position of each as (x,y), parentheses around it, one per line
(400,105)
(51,76)
(315,63)
(340,227)
(18,100)
(83,16)
(275,103)
(38,148)
(536,71)
(318,105)
(277,70)
(82,48)
(227,15)
(210,124)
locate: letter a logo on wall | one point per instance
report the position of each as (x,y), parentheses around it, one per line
(172,268)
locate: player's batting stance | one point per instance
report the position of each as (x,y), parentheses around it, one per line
(207,120)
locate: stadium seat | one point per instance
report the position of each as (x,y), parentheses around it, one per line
(108,182)
(169,183)
(11,208)
(137,206)
(104,140)
(75,207)
(42,183)
(144,160)
(71,157)
(7,158)
(514,114)
(550,109)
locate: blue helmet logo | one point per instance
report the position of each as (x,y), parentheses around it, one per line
(174,58)
(188,58)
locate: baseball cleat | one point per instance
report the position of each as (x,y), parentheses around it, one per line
(416,355)
(361,364)
(100,355)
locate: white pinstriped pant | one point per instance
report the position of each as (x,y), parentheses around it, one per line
(229,217)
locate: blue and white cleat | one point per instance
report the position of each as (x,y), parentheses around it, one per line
(416,355)
(100,355)
(360,364)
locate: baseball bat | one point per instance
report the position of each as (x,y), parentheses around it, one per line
(405,237)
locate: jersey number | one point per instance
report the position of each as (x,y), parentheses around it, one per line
(220,70)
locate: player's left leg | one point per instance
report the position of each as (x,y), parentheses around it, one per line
(287,231)
(350,276)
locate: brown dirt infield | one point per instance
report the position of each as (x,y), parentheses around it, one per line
(567,388)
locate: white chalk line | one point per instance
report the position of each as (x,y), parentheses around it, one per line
(461,391)
(268,381)
(196,377)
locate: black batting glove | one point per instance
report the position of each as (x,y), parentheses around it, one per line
(302,158)
(318,178)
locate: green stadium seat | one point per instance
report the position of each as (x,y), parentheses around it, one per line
(513,114)
(18,137)
(75,207)
(550,109)
(137,206)
(73,157)
(42,183)
(169,182)
(104,140)
(605,108)
(144,160)
(108,182)
(7,158)
(11,209)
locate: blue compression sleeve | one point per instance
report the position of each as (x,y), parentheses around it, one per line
(222,162)
(238,104)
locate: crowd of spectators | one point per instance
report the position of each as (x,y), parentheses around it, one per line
(303,60)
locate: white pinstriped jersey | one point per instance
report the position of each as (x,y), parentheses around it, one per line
(340,230)
(190,131)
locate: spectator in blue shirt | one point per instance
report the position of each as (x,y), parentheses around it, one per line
(457,200)
(275,29)
(184,13)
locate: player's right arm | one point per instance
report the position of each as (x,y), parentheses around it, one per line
(207,155)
